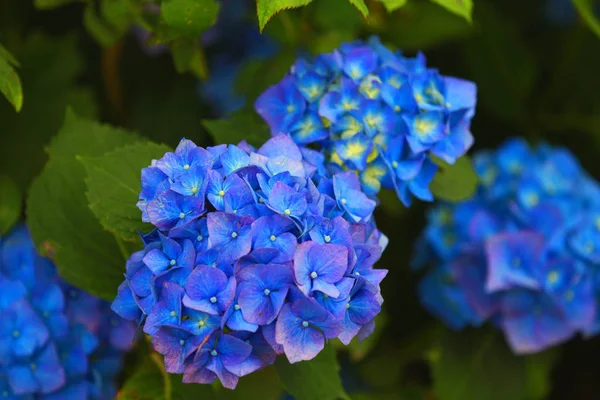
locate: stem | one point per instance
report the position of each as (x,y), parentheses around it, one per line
(166,378)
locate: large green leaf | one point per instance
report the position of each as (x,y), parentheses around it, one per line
(267,8)
(58,216)
(238,127)
(190,17)
(315,379)
(113,186)
(464,8)
(586,10)
(475,365)
(10,204)
(10,83)
(454,182)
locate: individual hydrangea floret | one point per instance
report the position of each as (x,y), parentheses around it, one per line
(376,112)
(522,253)
(56,342)
(257,252)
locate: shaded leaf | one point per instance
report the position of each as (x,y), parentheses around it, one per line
(422,24)
(475,365)
(267,8)
(314,379)
(10,204)
(188,56)
(393,5)
(60,221)
(151,382)
(263,384)
(538,368)
(456,182)
(494,55)
(464,8)
(190,17)
(10,84)
(49,4)
(113,186)
(586,10)
(100,30)
(238,127)
(360,6)
(5,54)
(51,70)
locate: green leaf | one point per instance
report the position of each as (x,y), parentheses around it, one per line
(50,4)
(120,14)
(58,216)
(190,17)
(151,381)
(586,10)
(103,32)
(493,55)
(538,368)
(263,384)
(315,379)
(475,365)
(422,24)
(7,55)
(464,8)
(238,127)
(360,6)
(51,71)
(454,182)
(359,350)
(336,15)
(393,5)
(10,204)
(267,8)
(113,186)
(10,84)
(188,56)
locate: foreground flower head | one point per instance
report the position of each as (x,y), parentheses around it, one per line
(375,112)
(522,253)
(257,253)
(56,342)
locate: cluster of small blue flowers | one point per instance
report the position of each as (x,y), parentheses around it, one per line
(523,253)
(375,112)
(56,342)
(256,253)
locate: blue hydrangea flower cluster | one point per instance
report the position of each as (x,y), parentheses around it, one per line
(376,112)
(56,342)
(523,253)
(256,253)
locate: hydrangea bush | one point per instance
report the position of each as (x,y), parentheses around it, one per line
(376,112)
(255,253)
(522,254)
(56,341)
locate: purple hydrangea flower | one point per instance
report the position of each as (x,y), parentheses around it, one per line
(278,243)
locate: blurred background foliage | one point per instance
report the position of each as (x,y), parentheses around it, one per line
(168,73)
